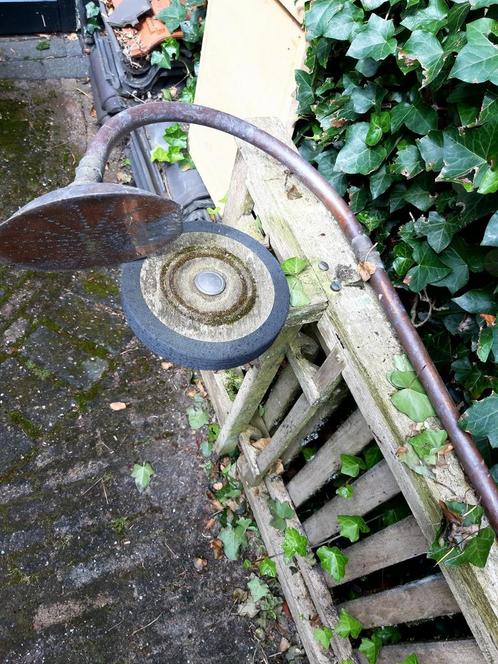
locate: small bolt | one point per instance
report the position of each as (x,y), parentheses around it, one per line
(209,282)
(335,286)
(323,266)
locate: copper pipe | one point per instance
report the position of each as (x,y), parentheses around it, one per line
(92,167)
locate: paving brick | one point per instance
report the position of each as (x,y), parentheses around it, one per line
(41,402)
(14,444)
(62,358)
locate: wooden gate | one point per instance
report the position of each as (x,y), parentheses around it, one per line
(331,362)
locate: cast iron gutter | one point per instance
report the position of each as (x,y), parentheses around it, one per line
(91,169)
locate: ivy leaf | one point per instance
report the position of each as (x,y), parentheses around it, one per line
(411,659)
(142,474)
(257,588)
(234,538)
(281,511)
(455,258)
(408,162)
(346,23)
(472,378)
(345,491)
(351,465)
(424,48)
(375,41)
(170,50)
(485,343)
(402,379)
(323,636)
(413,404)
(197,417)
(173,15)
(427,444)
(417,117)
(356,156)
(294,544)
(298,297)
(371,648)
(490,238)
(408,456)
(477,550)
(429,268)
(294,265)
(268,567)
(430,19)
(478,301)
(304,93)
(380,182)
(438,230)
(351,526)
(333,561)
(431,149)
(481,419)
(347,625)
(477,62)
(326,167)
(319,17)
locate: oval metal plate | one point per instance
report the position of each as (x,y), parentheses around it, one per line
(89,225)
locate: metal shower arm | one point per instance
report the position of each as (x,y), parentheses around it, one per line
(91,169)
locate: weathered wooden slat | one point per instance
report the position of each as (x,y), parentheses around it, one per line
(282,394)
(311,575)
(373,488)
(304,369)
(463,651)
(254,387)
(419,600)
(350,438)
(296,593)
(401,541)
(218,395)
(355,316)
(301,413)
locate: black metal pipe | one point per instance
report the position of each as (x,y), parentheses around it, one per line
(91,169)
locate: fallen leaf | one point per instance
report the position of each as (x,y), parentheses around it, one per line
(366,269)
(142,474)
(489,319)
(293,193)
(451,516)
(217,546)
(261,443)
(210,523)
(217,486)
(284,645)
(191,392)
(117,405)
(166,365)
(200,388)
(278,468)
(123,177)
(200,564)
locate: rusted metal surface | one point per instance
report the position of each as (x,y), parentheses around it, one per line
(90,225)
(92,166)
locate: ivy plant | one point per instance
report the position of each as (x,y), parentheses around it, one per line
(398,110)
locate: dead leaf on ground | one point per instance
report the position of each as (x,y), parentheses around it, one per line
(217,546)
(217,486)
(261,443)
(191,392)
(166,365)
(284,645)
(117,405)
(200,564)
(278,468)
(293,193)
(366,269)
(123,177)
(489,319)
(200,388)
(72,36)
(210,523)
(450,515)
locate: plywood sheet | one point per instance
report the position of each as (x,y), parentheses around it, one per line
(250,51)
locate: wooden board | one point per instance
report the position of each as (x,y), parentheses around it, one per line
(419,600)
(250,51)
(355,316)
(462,651)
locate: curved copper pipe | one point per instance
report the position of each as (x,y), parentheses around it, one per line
(91,169)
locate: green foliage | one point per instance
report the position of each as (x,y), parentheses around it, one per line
(345,491)
(411,659)
(481,419)
(281,511)
(399,112)
(197,416)
(257,588)
(294,544)
(347,625)
(142,474)
(292,268)
(234,538)
(175,150)
(371,648)
(333,561)
(351,465)
(92,13)
(268,567)
(174,15)
(351,526)
(457,542)
(323,635)
(163,57)
(43,45)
